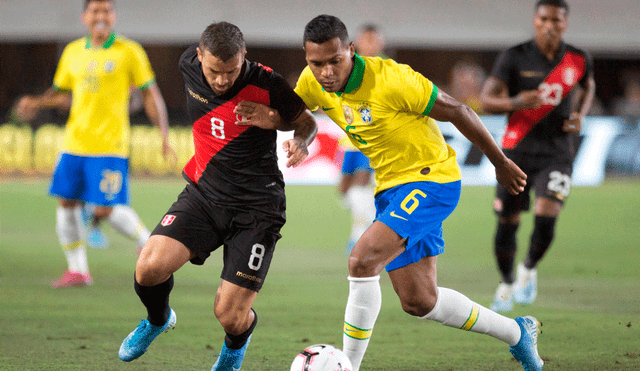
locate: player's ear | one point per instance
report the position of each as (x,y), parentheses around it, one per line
(352,49)
(199,54)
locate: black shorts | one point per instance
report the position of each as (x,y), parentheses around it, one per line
(549,176)
(248,235)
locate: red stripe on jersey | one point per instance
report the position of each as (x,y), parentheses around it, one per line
(554,88)
(213,131)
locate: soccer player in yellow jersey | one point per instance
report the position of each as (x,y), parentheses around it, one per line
(97,71)
(389,111)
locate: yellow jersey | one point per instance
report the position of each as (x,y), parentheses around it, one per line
(99,78)
(384,111)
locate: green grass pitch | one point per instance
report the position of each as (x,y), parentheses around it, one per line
(588,301)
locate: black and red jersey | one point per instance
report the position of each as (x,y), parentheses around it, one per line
(524,67)
(236,165)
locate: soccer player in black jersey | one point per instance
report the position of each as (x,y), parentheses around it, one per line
(534,83)
(234,195)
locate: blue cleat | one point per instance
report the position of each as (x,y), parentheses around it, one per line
(503,299)
(525,289)
(138,341)
(230,359)
(96,238)
(526,351)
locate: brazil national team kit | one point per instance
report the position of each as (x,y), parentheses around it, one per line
(384,111)
(235,192)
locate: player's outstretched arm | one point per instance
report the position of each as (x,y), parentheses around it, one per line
(508,174)
(156,111)
(27,107)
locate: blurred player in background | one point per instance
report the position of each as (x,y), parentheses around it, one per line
(389,112)
(465,83)
(533,83)
(97,71)
(355,180)
(234,195)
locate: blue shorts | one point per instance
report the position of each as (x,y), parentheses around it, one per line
(97,180)
(355,161)
(415,211)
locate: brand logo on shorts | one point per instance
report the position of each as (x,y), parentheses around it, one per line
(167,220)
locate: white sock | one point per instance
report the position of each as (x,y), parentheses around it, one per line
(360,200)
(363,306)
(125,220)
(456,310)
(71,234)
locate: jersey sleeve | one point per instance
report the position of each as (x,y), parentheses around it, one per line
(588,59)
(141,72)
(285,100)
(502,67)
(63,78)
(304,90)
(410,91)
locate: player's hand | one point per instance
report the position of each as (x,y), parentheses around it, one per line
(26,108)
(296,150)
(527,99)
(256,114)
(573,124)
(168,153)
(511,177)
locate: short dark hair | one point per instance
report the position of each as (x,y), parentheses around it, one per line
(87,2)
(370,27)
(324,28)
(562,4)
(223,40)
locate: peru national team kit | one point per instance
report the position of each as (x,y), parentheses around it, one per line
(534,138)
(235,192)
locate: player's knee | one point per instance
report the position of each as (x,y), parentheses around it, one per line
(543,230)
(102,212)
(418,306)
(362,265)
(150,269)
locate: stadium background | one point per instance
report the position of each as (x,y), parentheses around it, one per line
(430,36)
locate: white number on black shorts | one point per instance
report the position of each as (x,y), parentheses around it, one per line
(559,183)
(217,128)
(257,253)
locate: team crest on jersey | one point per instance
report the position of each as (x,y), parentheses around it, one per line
(569,76)
(365,112)
(167,220)
(109,66)
(348,114)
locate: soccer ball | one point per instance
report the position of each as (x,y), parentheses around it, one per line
(321,357)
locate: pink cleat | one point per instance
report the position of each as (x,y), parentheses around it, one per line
(72,279)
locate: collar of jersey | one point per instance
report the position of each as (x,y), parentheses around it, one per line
(106,44)
(356,76)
